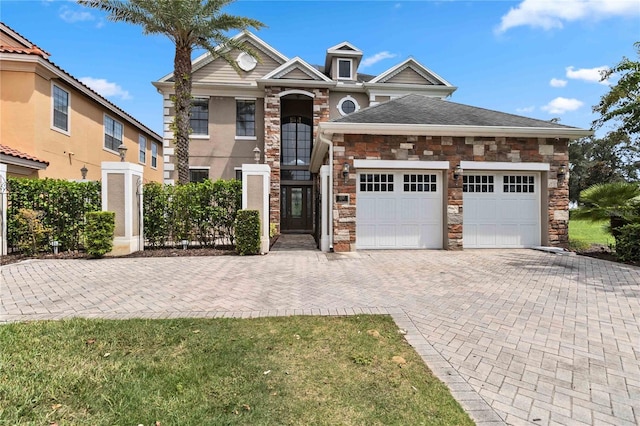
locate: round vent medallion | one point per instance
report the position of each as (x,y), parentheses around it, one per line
(246,62)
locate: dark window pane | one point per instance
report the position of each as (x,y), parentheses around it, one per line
(348,107)
(199,118)
(344,69)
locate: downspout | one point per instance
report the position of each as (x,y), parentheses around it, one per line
(324,139)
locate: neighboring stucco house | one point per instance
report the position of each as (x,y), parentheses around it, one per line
(52,125)
(376,162)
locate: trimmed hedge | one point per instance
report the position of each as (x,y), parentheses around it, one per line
(99,233)
(63,205)
(248,232)
(628,243)
(203,212)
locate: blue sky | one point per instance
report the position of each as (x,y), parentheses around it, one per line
(538,58)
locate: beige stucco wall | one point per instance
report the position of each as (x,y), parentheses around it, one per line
(335,97)
(220,150)
(25,124)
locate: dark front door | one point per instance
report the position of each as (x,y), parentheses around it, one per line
(296,208)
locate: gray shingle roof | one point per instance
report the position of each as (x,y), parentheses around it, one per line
(419,109)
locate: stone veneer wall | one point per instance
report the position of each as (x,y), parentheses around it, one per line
(272,137)
(452,149)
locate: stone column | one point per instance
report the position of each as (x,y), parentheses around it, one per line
(4,189)
(122,194)
(272,148)
(255,196)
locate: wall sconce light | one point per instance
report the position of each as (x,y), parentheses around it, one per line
(122,150)
(345,172)
(562,172)
(84,171)
(457,172)
(256,154)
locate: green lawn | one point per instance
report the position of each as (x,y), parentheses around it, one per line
(266,371)
(590,232)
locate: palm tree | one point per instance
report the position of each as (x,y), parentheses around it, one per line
(619,202)
(190,24)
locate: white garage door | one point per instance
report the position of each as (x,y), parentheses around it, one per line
(399,210)
(501,210)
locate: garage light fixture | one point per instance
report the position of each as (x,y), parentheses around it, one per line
(256,154)
(345,172)
(457,172)
(562,172)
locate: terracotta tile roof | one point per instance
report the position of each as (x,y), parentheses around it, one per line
(12,152)
(35,50)
(29,50)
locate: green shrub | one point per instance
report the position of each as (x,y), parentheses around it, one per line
(99,233)
(248,232)
(204,212)
(63,205)
(628,243)
(32,234)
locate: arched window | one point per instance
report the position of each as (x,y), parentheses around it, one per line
(296,141)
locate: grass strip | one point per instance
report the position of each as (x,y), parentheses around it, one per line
(266,371)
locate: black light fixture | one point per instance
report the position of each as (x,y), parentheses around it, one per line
(122,150)
(562,172)
(84,171)
(457,172)
(345,172)
(256,154)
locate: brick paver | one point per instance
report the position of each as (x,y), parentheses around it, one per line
(519,336)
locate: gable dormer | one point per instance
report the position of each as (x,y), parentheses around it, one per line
(342,62)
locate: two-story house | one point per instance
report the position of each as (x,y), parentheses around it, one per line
(375,162)
(54,126)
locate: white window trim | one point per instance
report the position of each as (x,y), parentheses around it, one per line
(199,167)
(64,132)
(151,155)
(104,134)
(145,149)
(401,164)
(202,135)
(350,69)
(248,138)
(345,99)
(503,165)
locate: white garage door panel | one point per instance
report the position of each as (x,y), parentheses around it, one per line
(498,219)
(399,218)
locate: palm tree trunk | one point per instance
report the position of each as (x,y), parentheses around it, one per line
(182,103)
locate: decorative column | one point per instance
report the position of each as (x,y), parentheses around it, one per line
(4,189)
(272,148)
(325,208)
(255,196)
(122,194)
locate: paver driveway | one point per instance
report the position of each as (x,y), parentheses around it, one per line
(521,337)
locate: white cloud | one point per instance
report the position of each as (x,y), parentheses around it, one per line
(525,109)
(556,82)
(71,16)
(561,105)
(106,88)
(549,14)
(592,75)
(367,62)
